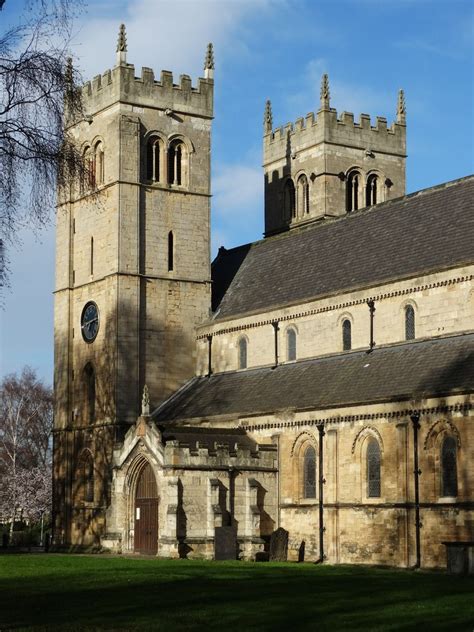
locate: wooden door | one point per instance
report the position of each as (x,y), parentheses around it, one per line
(146,513)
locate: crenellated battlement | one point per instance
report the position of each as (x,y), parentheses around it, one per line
(327,126)
(309,163)
(231,451)
(121,84)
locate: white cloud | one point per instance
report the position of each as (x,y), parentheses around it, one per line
(157,39)
(237,204)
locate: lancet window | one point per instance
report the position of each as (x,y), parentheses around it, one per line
(309,473)
(346,335)
(242,353)
(449,478)
(291,345)
(90,394)
(373,469)
(409,323)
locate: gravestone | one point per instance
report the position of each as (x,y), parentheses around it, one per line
(225,543)
(279,545)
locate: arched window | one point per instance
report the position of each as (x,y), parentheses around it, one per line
(153,159)
(373,469)
(98,165)
(352,191)
(243,353)
(309,473)
(346,335)
(371,190)
(87,176)
(170,251)
(86,477)
(409,323)
(303,196)
(177,163)
(449,476)
(289,207)
(89,393)
(291,344)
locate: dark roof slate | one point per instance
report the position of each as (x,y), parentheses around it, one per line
(419,233)
(433,367)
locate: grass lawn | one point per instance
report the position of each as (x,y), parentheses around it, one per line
(76,592)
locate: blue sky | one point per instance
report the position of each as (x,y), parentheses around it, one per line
(274,49)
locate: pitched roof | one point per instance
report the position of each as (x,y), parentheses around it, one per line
(435,367)
(416,234)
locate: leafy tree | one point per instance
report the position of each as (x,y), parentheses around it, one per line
(26,423)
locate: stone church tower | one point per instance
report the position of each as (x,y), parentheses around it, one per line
(324,166)
(132,272)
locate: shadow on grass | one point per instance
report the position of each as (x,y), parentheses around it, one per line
(82,592)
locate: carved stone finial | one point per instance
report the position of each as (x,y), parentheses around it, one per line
(268,118)
(145,401)
(209,62)
(122,45)
(325,95)
(401,109)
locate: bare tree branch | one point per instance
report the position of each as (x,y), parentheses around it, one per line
(36,81)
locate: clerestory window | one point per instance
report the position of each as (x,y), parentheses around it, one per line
(346,335)
(291,345)
(409,323)
(242,353)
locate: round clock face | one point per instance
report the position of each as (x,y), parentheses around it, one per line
(90,321)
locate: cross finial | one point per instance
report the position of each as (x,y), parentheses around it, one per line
(209,62)
(268,118)
(122,45)
(145,401)
(325,92)
(401,109)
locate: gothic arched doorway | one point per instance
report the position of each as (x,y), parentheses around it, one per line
(146,513)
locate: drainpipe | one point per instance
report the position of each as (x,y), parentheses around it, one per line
(371,304)
(275,324)
(415,419)
(321,480)
(209,358)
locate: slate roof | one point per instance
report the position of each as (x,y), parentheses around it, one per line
(426,231)
(435,367)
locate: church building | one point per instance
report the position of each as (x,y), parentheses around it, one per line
(318,382)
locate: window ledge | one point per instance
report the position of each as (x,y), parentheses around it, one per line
(447,500)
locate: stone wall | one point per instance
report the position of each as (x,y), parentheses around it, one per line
(374,530)
(443,304)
